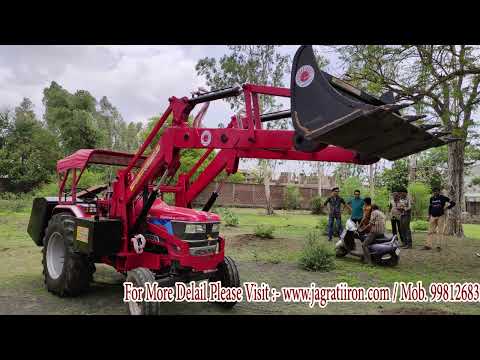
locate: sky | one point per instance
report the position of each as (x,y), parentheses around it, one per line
(138,80)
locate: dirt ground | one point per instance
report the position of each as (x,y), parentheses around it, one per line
(274,261)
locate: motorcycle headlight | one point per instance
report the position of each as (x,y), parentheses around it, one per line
(216,228)
(195,228)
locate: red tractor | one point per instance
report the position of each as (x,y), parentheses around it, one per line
(126,224)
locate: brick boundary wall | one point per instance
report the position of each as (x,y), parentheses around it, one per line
(253,195)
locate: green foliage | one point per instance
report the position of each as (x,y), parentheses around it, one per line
(316,205)
(420,194)
(257,64)
(351,184)
(28,151)
(264,231)
(316,255)
(396,177)
(343,172)
(49,188)
(292,197)
(169,198)
(381,198)
(71,117)
(229,218)
(419,225)
(238,177)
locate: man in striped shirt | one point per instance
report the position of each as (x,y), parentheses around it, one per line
(375,228)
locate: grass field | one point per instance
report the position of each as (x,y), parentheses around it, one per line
(274,261)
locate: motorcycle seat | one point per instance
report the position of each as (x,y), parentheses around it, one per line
(383,238)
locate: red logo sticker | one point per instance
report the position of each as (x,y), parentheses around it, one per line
(206,138)
(304,76)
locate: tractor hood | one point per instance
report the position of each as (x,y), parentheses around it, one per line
(161,210)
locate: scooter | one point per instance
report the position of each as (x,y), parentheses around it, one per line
(384,251)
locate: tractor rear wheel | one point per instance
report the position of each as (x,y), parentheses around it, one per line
(66,273)
(138,277)
(227,274)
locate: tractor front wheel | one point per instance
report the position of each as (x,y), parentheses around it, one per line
(66,273)
(138,277)
(227,274)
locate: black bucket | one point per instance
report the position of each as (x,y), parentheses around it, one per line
(327,110)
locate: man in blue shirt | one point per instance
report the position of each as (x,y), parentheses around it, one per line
(356,205)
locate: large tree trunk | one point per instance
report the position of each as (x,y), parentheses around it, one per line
(456,157)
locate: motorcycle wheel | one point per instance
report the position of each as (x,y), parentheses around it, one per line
(340,252)
(393,261)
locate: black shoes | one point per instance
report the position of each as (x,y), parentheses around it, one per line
(406,246)
(426,248)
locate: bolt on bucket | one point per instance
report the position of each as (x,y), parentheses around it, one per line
(327,110)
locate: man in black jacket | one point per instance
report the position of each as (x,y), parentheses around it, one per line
(436,218)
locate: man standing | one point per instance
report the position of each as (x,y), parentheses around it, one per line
(356,204)
(376,228)
(405,218)
(436,218)
(335,212)
(395,215)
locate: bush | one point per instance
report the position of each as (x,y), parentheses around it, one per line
(229,217)
(316,255)
(316,205)
(419,225)
(264,231)
(292,197)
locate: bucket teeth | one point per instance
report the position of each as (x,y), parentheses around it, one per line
(412,118)
(429,126)
(397,107)
(451,139)
(440,133)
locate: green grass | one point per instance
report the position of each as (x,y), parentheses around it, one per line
(472,231)
(274,261)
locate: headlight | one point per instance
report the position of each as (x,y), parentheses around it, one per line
(216,228)
(195,228)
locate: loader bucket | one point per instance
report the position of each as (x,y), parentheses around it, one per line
(327,110)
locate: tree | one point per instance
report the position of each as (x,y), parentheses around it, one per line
(258,64)
(396,177)
(71,117)
(444,79)
(28,151)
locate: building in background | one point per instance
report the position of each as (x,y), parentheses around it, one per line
(472,192)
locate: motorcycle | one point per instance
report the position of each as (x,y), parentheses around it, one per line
(384,251)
